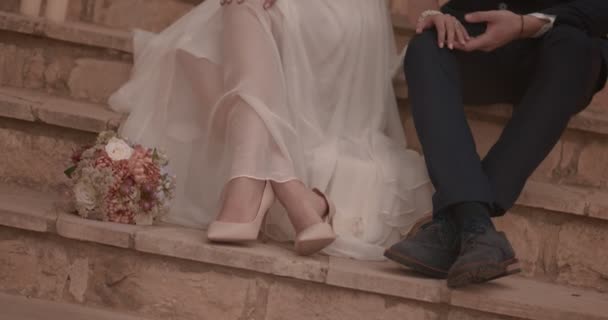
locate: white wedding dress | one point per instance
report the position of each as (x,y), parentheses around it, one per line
(301,91)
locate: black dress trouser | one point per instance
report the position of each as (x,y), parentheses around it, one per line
(548,80)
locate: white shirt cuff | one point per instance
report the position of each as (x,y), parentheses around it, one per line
(550,21)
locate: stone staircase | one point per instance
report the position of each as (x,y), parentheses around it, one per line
(54,81)
(21,308)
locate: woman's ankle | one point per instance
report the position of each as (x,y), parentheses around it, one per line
(304,207)
(241,200)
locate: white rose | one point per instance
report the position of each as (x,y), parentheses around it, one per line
(85,196)
(118,149)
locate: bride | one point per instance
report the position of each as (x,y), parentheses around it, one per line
(281,118)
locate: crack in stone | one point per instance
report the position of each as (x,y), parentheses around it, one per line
(119,280)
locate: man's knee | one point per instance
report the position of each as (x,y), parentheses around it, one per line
(423,53)
(422,46)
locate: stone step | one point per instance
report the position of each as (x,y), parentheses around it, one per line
(70,60)
(21,308)
(557,247)
(164,271)
(113,68)
(35,106)
(73,32)
(559,184)
(19,106)
(152,15)
(39,133)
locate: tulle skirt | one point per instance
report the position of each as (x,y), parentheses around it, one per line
(301,91)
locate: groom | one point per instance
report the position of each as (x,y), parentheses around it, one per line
(547,58)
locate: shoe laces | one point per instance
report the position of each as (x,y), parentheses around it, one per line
(444,229)
(470,236)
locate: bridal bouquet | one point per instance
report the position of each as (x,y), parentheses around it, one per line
(120,182)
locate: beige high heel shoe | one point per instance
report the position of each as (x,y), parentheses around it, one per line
(219,231)
(316,237)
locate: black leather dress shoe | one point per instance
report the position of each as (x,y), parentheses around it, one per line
(485,255)
(431,251)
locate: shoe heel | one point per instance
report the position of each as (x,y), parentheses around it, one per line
(230,232)
(316,237)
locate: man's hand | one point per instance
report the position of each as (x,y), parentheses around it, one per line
(503,27)
(267,3)
(449,30)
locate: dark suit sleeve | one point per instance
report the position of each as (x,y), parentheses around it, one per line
(588,15)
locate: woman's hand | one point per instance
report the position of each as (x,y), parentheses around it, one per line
(267,3)
(449,30)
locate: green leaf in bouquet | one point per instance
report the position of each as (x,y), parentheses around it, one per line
(70,171)
(104,137)
(155,156)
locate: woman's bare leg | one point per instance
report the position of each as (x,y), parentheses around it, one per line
(251,62)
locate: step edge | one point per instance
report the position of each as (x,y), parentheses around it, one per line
(98,35)
(347,274)
(35,106)
(73,32)
(22,110)
(585,121)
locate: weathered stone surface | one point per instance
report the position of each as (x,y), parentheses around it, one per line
(32,105)
(555,197)
(9,5)
(21,308)
(460,314)
(57,67)
(169,289)
(35,155)
(113,234)
(589,169)
(302,301)
(559,247)
(529,299)
(54,268)
(581,258)
(79,33)
(16,109)
(152,15)
(78,274)
(386,278)
(26,209)
(534,236)
(30,267)
(155,287)
(108,77)
(192,245)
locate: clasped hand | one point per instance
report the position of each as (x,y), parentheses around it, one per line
(503,27)
(267,3)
